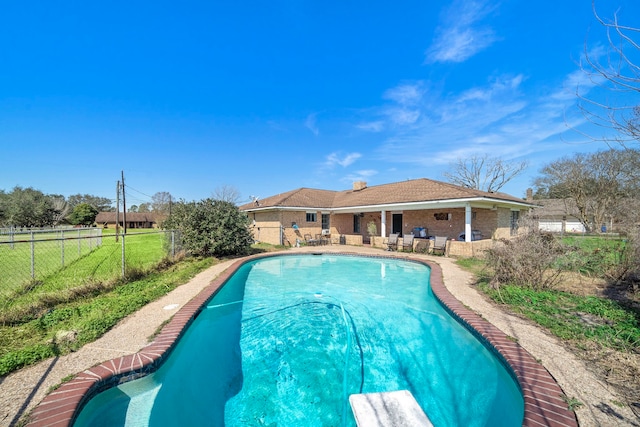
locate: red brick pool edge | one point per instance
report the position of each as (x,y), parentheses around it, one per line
(545,404)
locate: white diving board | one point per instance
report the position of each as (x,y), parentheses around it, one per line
(388,409)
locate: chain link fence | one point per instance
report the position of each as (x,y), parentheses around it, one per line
(78,256)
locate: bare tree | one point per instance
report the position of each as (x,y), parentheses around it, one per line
(483,172)
(226,193)
(616,72)
(161,202)
(61,207)
(595,185)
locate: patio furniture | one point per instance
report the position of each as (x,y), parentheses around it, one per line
(311,241)
(439,244)
(322,239)
(392,243)
(407,243)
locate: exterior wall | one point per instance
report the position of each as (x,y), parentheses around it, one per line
(342,224)
(484,221)
(266,227)
(491,223)
(556,226)
(353,239)
(503,230)
(468,249)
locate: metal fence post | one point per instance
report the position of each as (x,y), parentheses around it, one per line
(79,243)
(123,270)
(173,244)
(33,257)
(62,250)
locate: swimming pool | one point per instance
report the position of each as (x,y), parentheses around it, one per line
(288,338)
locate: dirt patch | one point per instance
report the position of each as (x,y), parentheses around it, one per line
(620,370)
(578,284)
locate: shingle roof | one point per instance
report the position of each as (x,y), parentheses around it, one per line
(109,217)
(301,197)
(416,190)
(555,208)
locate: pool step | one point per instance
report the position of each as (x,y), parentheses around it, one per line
(388,409)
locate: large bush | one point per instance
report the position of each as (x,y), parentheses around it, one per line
(527,260)
(211,227)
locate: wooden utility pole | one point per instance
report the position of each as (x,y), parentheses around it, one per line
(117,209)
(124,207)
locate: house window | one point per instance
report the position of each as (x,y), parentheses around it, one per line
(515,216)
(442,216)
(311,217)
(325,221)
(356,224)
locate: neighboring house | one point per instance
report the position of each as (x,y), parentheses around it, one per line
(423,207)
(134,220)
(557,216)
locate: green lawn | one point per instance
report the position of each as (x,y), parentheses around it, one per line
(88,317)
(88,297)
(48,255)
(575,318)
(93,272)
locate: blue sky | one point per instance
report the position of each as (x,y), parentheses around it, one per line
(187,97)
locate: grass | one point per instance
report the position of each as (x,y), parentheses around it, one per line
(95,272)
(592,255)
(49,255)
(67,326)
(576,318)
(573,317)
(79,303)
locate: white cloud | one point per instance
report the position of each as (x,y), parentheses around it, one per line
(497,119)
(342,160)
(460,36)
(311,124)
(405,94)
(374,126)
(402,116)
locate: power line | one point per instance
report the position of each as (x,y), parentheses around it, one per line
(138,191)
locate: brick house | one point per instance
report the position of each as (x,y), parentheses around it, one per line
(134,220)
(423,207)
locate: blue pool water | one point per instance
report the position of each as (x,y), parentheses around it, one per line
(289,338)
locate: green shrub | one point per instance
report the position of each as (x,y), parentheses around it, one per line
(211,228)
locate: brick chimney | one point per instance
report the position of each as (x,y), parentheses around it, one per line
(359,185)
(529,195)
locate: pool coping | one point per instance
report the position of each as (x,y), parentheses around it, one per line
(545,404)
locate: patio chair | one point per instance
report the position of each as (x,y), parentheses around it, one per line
(439,244)
(310,240)
(407,243)
(392,243)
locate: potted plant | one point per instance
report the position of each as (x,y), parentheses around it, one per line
(372,230)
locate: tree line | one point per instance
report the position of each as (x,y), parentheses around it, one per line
(31,208)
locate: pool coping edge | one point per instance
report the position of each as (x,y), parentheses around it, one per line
(545,404)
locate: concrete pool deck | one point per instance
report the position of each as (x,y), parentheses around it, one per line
(21,391)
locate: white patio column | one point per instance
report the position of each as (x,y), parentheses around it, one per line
(383,227)
(467,223)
